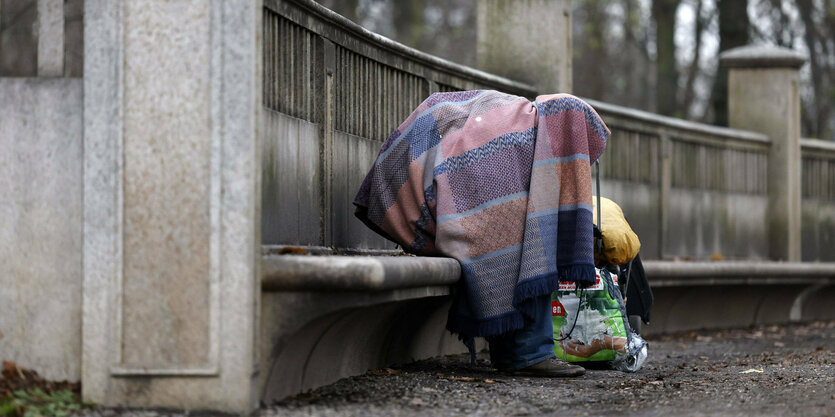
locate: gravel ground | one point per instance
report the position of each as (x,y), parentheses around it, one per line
(791,371)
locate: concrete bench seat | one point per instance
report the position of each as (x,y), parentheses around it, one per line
(325,317)
(675,274)
(355,273)
(702,295)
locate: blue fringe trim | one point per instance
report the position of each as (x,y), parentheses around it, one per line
(533,287)
(467,327)
(583,274)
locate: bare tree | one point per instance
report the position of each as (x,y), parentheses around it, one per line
(818,36)
(664,14)
(689,94)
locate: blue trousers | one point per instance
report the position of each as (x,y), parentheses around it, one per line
(529,345)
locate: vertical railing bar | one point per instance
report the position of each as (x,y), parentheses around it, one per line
(283,95)
(270,60)
(272,64)
(276,57)
(265,34)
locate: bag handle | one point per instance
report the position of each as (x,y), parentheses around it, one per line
(599,219)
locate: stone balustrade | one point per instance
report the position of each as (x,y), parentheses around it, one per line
(206,135)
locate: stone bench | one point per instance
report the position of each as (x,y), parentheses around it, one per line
(702,295)
(325,317)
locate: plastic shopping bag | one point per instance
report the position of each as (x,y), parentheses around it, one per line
(590,325)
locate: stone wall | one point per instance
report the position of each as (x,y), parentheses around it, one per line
(41,38)
(40,224)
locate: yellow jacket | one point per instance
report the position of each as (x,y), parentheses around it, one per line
(620,243)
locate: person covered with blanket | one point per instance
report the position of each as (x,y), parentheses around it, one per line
(503,185)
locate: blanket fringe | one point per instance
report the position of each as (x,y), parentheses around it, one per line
(494,326)
(533,287)
(582,274)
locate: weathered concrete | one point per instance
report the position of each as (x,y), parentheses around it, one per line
(41,38)
(18,39)
(763,96)
(527,40)
(688,190)
(667,274)
(73,38)
(171,203)
(50,38)
(710,295)
(818,205)
(328,317)
(356,273)
(40,224)
(312,339)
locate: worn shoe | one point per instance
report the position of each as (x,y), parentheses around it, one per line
(553,368)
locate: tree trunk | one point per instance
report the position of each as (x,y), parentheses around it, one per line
(693,70)
(664,14)
(822,88)
(733,31)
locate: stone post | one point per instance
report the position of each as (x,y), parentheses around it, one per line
(50,38)
(171,231)
(528,41)
(763,97)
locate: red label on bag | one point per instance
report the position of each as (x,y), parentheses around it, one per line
(557,309)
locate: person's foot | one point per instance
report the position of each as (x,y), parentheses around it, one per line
(553,367)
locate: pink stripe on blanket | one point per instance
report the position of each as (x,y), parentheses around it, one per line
(547,175)
(575,182)
(548,97)
(504,223)
(482,128)
(574,133)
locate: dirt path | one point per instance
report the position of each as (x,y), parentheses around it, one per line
(688,374)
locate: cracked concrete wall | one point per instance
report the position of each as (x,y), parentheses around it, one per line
(40,224)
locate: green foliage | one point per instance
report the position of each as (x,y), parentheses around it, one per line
(36,403)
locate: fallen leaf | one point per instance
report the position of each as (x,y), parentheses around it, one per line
(292,250)
(753,371)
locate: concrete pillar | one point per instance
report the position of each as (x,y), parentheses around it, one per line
(171,233)
(763,97)
(527,40)
(50,38)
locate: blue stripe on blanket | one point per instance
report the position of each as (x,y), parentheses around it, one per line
(490,148)
(496,275)
(576,156)
(578,225)
(384,155)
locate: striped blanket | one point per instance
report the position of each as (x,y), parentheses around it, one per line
(499,183)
